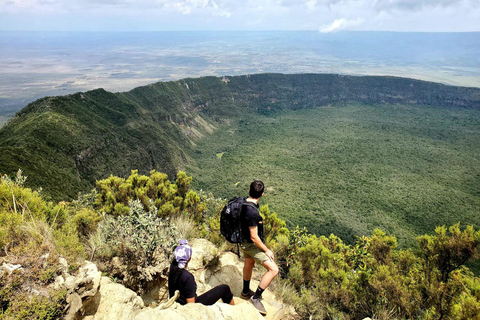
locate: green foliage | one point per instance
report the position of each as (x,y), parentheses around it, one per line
(372,278)
(210,227)
(25,293)
(29,221)
(68,243)
(168,199)
(20,200)
(141,239)
(448,252)
(443,257)
(86,221)
(37,307)
(67,143)
(332,279)
(364,153)
(183,183)
(298,239)
(273,226)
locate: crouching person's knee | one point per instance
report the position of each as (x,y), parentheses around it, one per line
(227,295)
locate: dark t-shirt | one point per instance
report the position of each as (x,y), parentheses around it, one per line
(251,218)
(185,283)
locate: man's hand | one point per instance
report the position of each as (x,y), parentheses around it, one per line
(269,254)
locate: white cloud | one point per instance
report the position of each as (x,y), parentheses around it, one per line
(193,6)
(394,15)
(311,4)
(412,5)
(29,4)
(340,24)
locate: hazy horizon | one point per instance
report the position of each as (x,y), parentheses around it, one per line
(38,64)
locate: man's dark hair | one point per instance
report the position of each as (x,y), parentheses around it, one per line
(256,189)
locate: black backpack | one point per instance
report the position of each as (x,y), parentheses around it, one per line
(230,219)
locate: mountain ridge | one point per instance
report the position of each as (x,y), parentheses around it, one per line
(86,136)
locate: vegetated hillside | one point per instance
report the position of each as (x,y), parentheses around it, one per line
(65,143)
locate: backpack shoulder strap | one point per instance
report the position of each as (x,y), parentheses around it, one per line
(246,203)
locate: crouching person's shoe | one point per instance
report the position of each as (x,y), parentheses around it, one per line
(259,305)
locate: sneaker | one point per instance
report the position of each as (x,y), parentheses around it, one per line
(247,295)
(259,305)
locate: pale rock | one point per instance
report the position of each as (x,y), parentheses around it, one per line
(63,265)
(74,305)
(229,270)
(117,302)
(88,279)
(70,283)
(11,267)
(117,263)
(82,298)
(203,252)
(59,282)
(44,259)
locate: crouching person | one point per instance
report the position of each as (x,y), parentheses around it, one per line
(182,280)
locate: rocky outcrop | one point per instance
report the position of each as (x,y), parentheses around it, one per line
(93,297)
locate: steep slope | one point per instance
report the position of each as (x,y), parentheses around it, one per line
(65,143)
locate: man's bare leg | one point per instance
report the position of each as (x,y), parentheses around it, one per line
(247,276)
(248,268)
(272,271)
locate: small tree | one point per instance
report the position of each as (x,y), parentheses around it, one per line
(442,255)
(169,199)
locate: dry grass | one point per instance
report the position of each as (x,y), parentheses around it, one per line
(185,226)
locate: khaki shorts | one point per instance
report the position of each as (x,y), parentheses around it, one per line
(250,250)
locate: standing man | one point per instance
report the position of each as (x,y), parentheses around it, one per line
(254,250)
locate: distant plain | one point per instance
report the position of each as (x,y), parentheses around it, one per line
(37,64)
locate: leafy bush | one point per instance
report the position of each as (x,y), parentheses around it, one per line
(169,199)
(42,307)
(141,240)
(373,279)
(20,200)
(86,221)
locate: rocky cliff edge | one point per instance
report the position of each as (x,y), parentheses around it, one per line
(92,296)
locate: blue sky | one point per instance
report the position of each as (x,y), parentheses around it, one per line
(321,15)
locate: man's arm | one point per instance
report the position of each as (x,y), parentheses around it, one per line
(258,242)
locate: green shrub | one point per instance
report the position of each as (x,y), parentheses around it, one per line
(23,201)
(169,199)
(141,240)
(86,221)
(68,243)
(40,307)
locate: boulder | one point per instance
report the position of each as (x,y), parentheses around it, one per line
(116,302)
(82,290)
